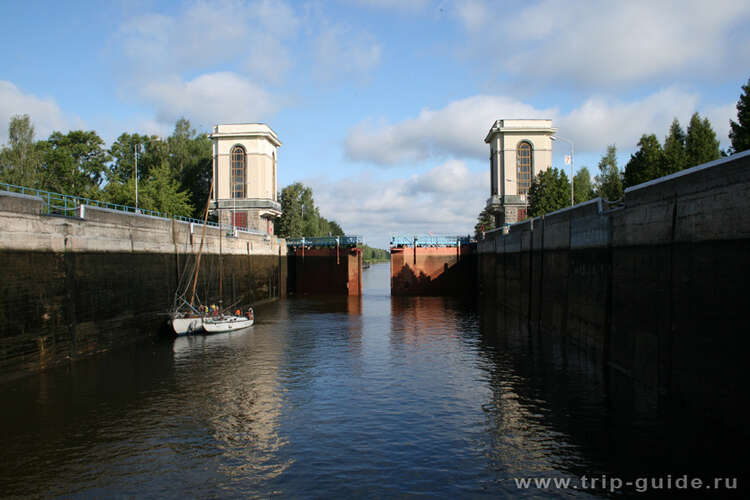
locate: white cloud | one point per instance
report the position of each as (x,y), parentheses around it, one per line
(339,52)
(45,114)
(458,129)
(600,121)
(208,99)
(719,117)
(617,43)
(207,34)
(473,14)
(444,200)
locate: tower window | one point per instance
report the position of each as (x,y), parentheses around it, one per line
(238,172)
(523,167)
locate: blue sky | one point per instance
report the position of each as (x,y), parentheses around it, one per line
(382,105)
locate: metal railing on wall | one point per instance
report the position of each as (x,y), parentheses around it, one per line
(324,241)
(422,240)
(69,206)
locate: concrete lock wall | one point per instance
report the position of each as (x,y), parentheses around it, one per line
(654,288)
(72,287)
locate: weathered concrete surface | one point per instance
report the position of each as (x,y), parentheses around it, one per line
(654,288)
(76,286)
(433,270)
(325,271)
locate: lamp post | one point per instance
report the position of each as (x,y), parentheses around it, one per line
(555,138)
(135,155)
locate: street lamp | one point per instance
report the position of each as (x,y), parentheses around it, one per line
(555,138)
(135,154)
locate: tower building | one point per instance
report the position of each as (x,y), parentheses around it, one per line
(519,149)
(244,173)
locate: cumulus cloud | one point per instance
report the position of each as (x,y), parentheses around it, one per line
(339,52)
(455,130)
(619,43)
(458,129)
(209,99)
(45,114)
(445,200)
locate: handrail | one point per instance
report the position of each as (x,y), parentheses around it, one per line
(324,241)
(68,205)
(423,240)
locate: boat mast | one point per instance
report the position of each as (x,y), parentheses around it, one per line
(203,237)
(221,260)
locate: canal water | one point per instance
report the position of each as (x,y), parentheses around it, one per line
(374,397)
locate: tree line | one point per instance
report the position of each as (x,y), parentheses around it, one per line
(300,217)
(174,174)
(681,149)
(370,254)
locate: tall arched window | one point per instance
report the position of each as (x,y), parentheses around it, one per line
(523,166)
(238,172)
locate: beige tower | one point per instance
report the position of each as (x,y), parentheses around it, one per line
(244,170)
(519,149)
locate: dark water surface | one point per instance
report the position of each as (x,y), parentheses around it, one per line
(338,397)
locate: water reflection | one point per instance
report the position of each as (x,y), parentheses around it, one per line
(375,396)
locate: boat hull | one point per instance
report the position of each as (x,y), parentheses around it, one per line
(226,324)
(186,326)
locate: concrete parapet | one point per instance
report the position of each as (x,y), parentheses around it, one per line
(106,230)
(20,203)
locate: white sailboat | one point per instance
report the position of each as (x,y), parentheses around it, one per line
(187,318)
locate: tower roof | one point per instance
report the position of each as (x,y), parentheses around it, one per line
(238,130)
(520,126)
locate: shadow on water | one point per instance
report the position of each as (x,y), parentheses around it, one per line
(373,396)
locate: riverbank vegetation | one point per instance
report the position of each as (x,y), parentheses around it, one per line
(372,255)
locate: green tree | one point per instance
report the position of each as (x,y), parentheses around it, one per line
(162,192)
(190,161)
(370,254)
(739,132)
(609,181)
(20,161)
(152,152)
(675,156)
(159,191)
(645,164)
(549,191)
(701,144)
(335,229)
(582,188)
(300,217)
(75,162)
(290,223)
(485,222)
